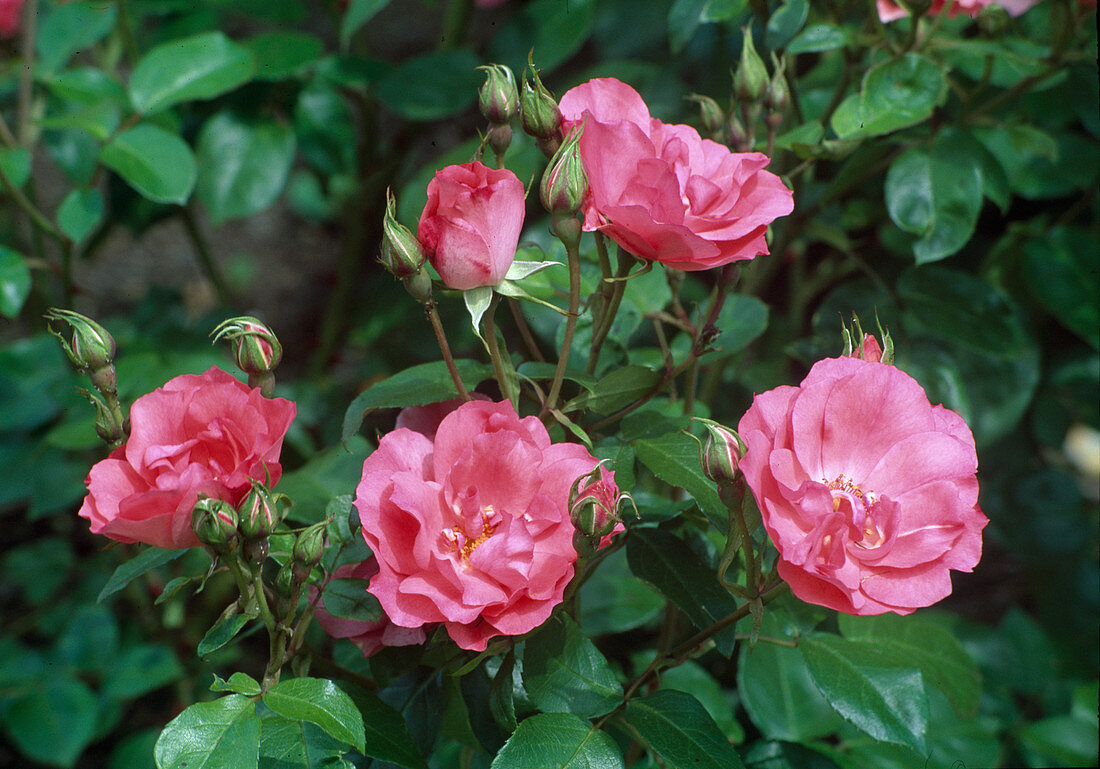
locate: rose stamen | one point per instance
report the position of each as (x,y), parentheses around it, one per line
(463,543)
(862,505)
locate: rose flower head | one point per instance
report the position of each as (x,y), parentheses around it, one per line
(207,435)
(890,11)
(867,490)
(664,193)
(470,226)
(471,528)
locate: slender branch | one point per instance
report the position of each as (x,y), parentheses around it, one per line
(39,219)
(568,230)
(611,309)
(496,353)
(525,331)
(445,349)
(204,254)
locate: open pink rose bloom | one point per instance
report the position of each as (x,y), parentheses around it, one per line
(867,490)
(664,193)
(890,11)
(471,529)
(470,226)
(209,434)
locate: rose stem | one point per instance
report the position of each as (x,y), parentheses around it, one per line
(441,338)
(495,352)
(618,288)
(525,331)
(568,230)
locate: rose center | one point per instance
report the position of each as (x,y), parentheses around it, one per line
(858,506)
(466,537)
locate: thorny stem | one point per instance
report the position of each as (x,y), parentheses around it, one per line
(445,349)
(568,230)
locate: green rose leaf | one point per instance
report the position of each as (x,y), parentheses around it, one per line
(223,734)
(320,702)
(280,55)
(240,683)
(72,27)
(15,282)
(142,563)
(674,458)
(54,720)
(290,744)
(678,728)
(564,672)
(348,598)
(558,741)
(197,67)
(416,386)
(894,95)
(432,86)
(80,212)
(936,194)
(667,563)
(221,634)
(888,703)
(243,164)
(156,163)
(359,12)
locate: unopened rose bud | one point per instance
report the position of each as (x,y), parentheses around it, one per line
(858,344)
(419,286)
(214,522)
(720,452)
(778,94)
(993,20)
(110,425)
(714,119)
(91,348)
(256,350)
(736,134)
(284,579)
(751,78)
(497,98)
(259,513)
(541,117)
(564,182)
(401,251)
(594,503)
(308,549)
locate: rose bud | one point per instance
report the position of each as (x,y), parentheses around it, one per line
(594,503)
(214,522)
(470,226)
(256,350)
(308,550)
(401,251)
(778,94)
(90,349)
(720,452)
(564,182)
(259,513)
(711,114)
(751,79)
(866,347)
(539,110)
(497,98)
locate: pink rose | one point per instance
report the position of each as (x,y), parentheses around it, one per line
(10,12)
(425,419)
(370,637)
(471,529)
(867,490)
(890,11)
(662,192)
(207,434)
(470,226)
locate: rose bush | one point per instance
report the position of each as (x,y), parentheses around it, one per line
(664,193)
(208,434)
(470,226)
(867,490)
(370,637)
(471,529)
(890,11)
